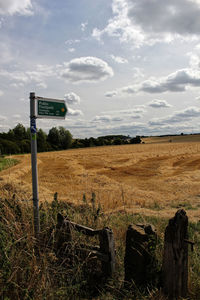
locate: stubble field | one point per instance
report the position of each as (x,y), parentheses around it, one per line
(151,179)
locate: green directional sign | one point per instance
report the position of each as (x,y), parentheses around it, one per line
(51,108)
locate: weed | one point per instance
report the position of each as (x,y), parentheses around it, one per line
(155,205)
(40,270)
(7,163)
(186,205)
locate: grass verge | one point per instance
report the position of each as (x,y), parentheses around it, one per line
(7,162)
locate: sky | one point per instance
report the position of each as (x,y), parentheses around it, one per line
(128,67)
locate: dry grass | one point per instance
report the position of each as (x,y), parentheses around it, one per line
(41,269)
(172,139)
(153,179)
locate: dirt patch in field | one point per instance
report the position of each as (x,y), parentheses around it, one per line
(151,179)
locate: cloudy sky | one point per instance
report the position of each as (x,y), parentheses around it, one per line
(123,66)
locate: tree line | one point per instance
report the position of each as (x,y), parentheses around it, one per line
(18,140)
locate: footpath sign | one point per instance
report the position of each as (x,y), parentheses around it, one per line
(51,108)
(41,108)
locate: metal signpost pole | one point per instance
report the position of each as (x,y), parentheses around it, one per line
(41,108)
(33,116)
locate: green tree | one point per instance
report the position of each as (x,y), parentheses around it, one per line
(54,138)
(77,143)
(9,147)
(65,138)
(10,135)
(136,140)
(19,132)
(25,146)
(118,141)
(28,133)
(42,144)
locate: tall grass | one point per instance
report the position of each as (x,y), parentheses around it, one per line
(31,269)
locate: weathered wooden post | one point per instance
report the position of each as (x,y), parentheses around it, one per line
(175,257)
(63,234)
(107,247)
(137,256)
(105,252)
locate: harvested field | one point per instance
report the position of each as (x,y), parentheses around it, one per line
(148,178)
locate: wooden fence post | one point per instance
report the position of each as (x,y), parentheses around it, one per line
(63,234)
(175,257)
(107,247)
(137,258)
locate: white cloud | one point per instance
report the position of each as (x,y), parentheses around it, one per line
(1,22)
(41,72)
(86,69)
(17,85)
(129,90)
(81,124)
(42,85)
(1,93)
(182,116)
(14,75)
(20,78)
(71,42)
(111,94)
(148,21)
(178,81)
(6,55)
(120,26)
(175,82)
(96,33)
(189,113)
(137,109)
(120,115)
(16,116)
(135,112)
(121,92)
(11,7)
(169,129)
(175,17)
(90,69)
(138,73)
(73,113)
(119,60)
(4,128)
(156,103)
(194,60)
(106,119)
(2,118)
(72,98)
(131,128)
(71,50)
(84,26)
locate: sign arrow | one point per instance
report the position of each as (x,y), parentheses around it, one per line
(51,108)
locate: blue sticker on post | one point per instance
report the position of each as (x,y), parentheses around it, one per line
(33,126)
